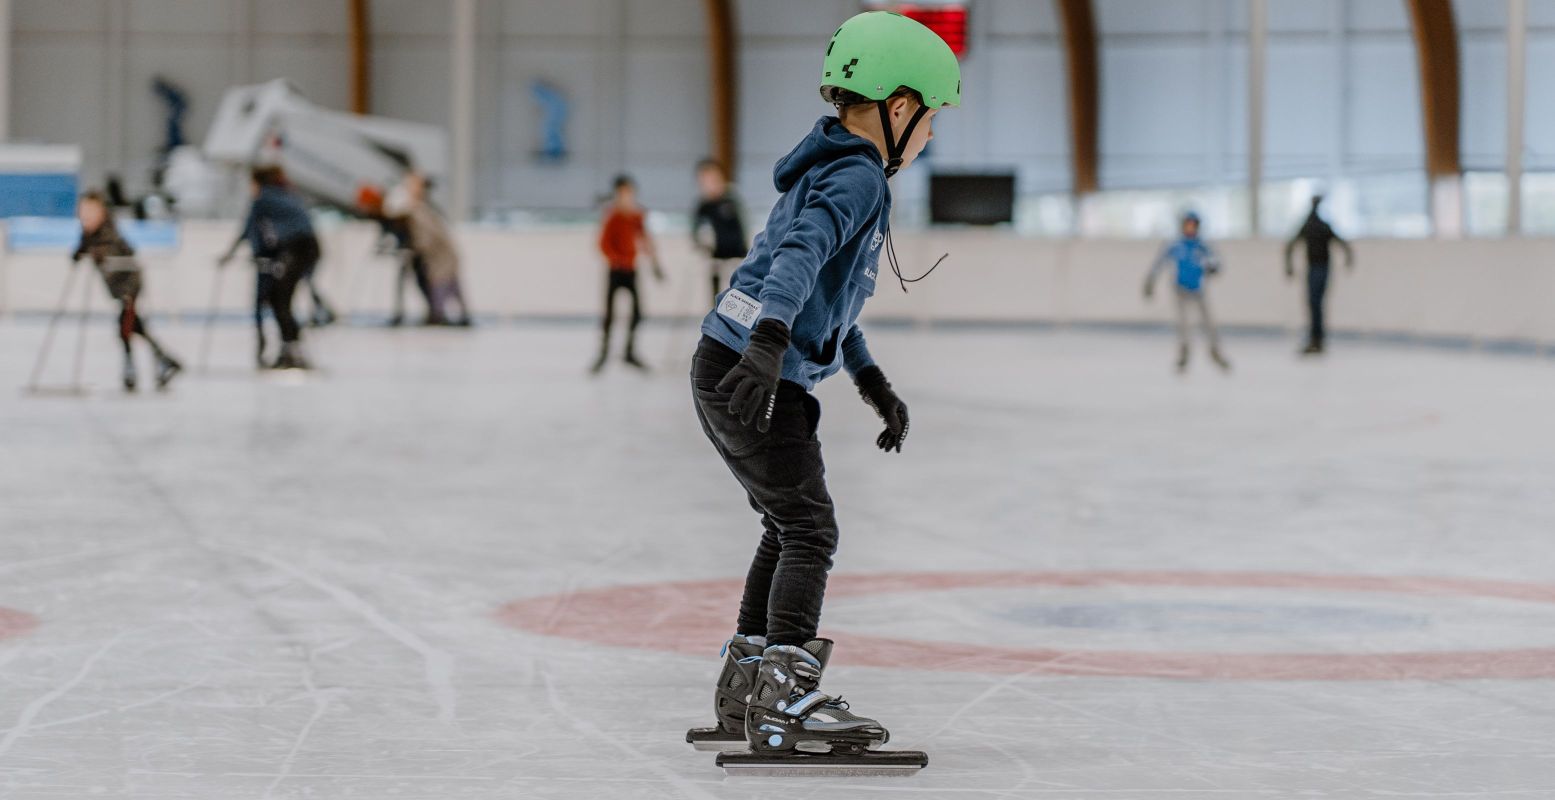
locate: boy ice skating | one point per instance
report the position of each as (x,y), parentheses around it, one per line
(620,235)
(115,262)
(278,228)
(718,210)
(1195,262)
(788,321)
(1317,236)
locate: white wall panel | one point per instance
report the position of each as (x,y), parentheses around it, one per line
(58,96)
(1383,109)
(410,81)
(56,16)
(1115,17)
(300,17)
(549,18)
(1483,111)
(180,16)
(1539,134)
(1017,17)
(810,20)
(1301,131)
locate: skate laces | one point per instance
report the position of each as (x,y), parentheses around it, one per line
(896,267)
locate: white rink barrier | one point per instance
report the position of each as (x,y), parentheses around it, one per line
(1473,290)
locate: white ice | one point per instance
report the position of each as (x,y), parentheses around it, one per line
(267,589)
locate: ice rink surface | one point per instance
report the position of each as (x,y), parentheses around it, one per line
(451,565)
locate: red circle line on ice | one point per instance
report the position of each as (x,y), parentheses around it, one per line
(15,623)
(693,617)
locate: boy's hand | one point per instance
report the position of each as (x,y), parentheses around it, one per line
(876,391)
(752,383)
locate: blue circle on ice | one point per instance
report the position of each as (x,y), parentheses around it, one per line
(1215,618)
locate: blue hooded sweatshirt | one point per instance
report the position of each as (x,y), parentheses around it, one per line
(1193,259)
(277,216)
(815,264)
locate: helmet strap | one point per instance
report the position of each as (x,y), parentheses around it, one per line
(894,146)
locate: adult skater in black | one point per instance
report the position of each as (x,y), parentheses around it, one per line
(1318,236)
(114,259)
(788,321)
(719,212)
(279,232)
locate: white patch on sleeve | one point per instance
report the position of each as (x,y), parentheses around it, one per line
(740,307)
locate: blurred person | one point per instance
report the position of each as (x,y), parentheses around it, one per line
(1195,262)
(279,235)
(394,239)
(621,233)
(114,259)
(1316,234)
(433,248)
(718,211)
(787,321)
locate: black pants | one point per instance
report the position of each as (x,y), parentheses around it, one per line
(1317,287)
(785,481)
(125,287)
(295,261)
(627,280)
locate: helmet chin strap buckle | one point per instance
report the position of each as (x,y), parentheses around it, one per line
(896,147)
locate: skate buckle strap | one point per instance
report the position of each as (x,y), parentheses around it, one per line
(805,704)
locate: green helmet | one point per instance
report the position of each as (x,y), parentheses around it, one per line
(875,52)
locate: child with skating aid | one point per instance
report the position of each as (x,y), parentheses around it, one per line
(114,259)
(434,247)
(718,211)
(621,233)
(1195,262)
(787,322)
(279,233)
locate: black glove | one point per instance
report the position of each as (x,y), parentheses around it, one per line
(876,391)
(752,383)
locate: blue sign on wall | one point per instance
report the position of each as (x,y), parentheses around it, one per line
(37,194)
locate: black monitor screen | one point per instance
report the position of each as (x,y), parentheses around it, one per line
(972,198)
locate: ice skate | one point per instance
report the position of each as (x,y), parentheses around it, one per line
(632,360)
(130,379)
(167,369)
(1313,349)
(291,357)
(742,656)
(1182,359)
(792,728)
(1220,360)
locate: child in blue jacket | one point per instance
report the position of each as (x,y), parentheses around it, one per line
(1195,262)
(787,322)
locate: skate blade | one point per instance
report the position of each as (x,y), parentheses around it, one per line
(872,763)
(714,740)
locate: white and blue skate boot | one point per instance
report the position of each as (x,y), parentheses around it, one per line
(792,728)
